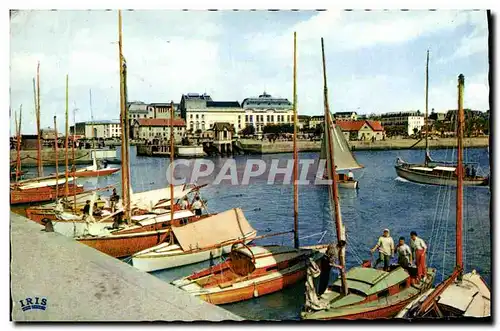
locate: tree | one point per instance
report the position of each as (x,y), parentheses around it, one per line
(248,130)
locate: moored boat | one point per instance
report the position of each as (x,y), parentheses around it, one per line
(459,295)
(250,272)
(22,195)
(191,243)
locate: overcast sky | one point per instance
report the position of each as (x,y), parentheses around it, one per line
(375,60)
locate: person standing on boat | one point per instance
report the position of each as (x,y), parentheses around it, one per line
(113,199)
(473,172)
(330,259)
(196,206)
(185,204)
(404,253)
(350,175)
(419,249)
(86,210)
(385,246)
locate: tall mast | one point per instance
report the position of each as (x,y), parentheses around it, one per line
(295,154)
(18,129)
(460,170)
(92,121)
(171,161)
(56,150)
(426,110)
(73,168)
(333,178)
(39,141)
(123,120)
(66,188)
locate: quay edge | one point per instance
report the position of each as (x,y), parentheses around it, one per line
(258,147)
(81,284)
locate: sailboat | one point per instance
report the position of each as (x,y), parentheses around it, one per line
(253,271)
(361,292)
(41,188)
(433,172)
(459,295)
(155,227)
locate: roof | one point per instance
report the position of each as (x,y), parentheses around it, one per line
(99,122)
(375,125)
(219,126)
(160,104)
(160,122)
(223,104)
(345,113)
(203,96)
(351,125)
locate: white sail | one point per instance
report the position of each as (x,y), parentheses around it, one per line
(344,160)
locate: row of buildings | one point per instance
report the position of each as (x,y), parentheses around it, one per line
(197,113)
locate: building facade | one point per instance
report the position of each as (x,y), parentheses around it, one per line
(316,121)
(362,130)
(158,128)
(407,122)
(346,116)
(200,112)
(266,110)
(97,129)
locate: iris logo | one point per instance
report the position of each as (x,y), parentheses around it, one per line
(33,303)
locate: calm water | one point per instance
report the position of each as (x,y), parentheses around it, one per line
(383,201)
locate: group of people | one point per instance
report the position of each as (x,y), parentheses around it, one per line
(416,252)
(470,171)
(195,207)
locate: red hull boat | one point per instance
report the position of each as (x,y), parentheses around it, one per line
(40,194)
(94,173)
(124,245)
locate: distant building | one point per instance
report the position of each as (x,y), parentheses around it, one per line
(314,121)
(346,116)
(149,128)
(160,110)
(404,121)
(265,110)
(201,112)
(303,121)
(362,129)
(223,136)
(48,133)
(97,129)
(137,109)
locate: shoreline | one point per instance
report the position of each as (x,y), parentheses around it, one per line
(260,147)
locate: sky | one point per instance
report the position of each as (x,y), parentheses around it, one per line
(375,60)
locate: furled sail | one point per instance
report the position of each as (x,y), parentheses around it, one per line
(344,160)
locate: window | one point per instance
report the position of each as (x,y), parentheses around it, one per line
(202,116)
(251,118)
(191,116)
(196,116)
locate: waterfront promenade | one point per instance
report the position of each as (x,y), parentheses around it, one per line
(83,284)
(265,147)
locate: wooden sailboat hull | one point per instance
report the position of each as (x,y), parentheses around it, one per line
(127,244)
(93,173)
(179,258)
(276,275)
(407,173)
(350,184)
(451,301)
(41,194)
(385,301)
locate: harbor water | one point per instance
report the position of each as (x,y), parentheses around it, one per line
(382,201)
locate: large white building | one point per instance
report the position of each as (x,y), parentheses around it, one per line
(410,120)
(98,129)
(201,112)
(266,110)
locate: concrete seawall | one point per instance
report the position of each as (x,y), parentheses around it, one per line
(264,147)
(82,284)
(82,156)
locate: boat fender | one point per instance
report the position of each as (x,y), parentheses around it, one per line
(255,291)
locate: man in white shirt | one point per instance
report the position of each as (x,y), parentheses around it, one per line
(350,175)
(419,249)
(184,203)
(196,206)
(385,246)
(404,253)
